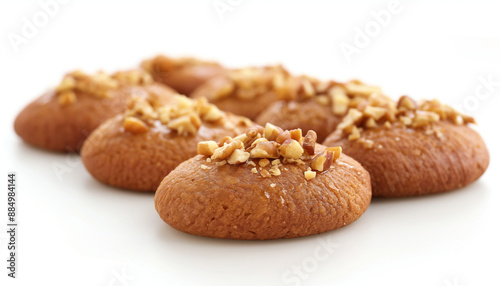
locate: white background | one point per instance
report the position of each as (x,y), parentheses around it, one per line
(76,231)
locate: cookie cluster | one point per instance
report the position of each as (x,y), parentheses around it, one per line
(268,149)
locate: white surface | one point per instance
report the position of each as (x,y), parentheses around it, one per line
(76,231)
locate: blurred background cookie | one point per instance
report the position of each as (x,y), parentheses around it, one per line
(62,118)
(412,148)
(137,149)
(182,74)
(246,92)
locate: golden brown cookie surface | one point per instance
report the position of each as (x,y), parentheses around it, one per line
(247,197)
(182,74)
(61,119)
(246,92)
(138,149)
(415,150)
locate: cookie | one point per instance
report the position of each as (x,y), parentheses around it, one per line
(310,104)
(264,184)
(246,92)
(137,149)
(412,149)
(62,118)
(182,74)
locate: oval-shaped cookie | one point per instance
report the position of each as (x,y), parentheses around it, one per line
(136,150)
(243,189)
(413,149)
(182,74)
(62,118)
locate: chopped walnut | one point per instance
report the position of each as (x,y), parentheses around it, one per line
(66,97)
(309,175)
(183,115)
(291,149)
(251,147)
(207,148)
(310,142)
(134,125)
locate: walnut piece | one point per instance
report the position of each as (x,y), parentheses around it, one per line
(134,125)
(207,148)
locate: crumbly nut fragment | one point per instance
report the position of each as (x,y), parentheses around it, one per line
(275,171)
(276,162)
(225,140)
(204,167)
(375,112)
(66,97)
(387,124)
(271,132)
(220,163)
(324,160)
(424,118)
(263,162)
(265,174)
(406,103)
(272,185)
(291,149)
(238,156)
(370,123)
(355,134)
(264,149)
(340,100)
(296,134)
(185,125)
(322,100)
(213,114)
(134,125)
(207,148)
(405,120)
(285,135)
(309,175)
(254,170)
(367,143)
(308,88)
(352,117)
(310,142)
(225,151)
(67,83)
(336,151)
(355,87)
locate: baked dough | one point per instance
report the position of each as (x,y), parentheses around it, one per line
(136,150)
(310,104)
(182,74)
(413,149)
(62,118)
(240,192)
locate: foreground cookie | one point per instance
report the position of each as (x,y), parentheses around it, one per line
(138,149)
(246,92)
(412,149)
(310,104)
(182,74)
(264,184)
(62,118)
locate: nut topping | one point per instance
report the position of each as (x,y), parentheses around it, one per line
(269,157)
